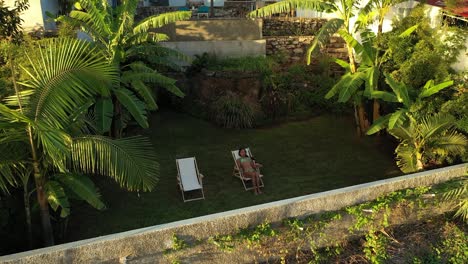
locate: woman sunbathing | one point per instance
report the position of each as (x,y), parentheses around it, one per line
(249,169)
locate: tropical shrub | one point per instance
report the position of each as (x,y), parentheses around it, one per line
(231,112)
(427,141)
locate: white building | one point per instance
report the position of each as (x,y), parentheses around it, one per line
(35,18)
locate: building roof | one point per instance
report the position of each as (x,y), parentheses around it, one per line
(461,9)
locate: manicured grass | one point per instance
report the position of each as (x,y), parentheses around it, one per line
(299,158)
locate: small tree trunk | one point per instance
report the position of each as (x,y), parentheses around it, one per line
(363,122)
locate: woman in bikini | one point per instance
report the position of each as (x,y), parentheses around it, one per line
(249,169)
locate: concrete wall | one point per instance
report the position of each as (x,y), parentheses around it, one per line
(151,242)
(222,49)
(222,29)
(34,17)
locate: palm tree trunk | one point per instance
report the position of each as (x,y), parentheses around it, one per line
(39,179)
(27,211)
(41,196)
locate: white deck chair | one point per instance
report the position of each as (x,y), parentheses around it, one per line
(238,171)
(189,178)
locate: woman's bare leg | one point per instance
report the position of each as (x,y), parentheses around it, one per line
(257,175)
(253,176)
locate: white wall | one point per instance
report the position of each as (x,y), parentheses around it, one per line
(34,17)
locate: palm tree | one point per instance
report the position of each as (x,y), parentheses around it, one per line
(41,120)
(425,137)
(129,46)
(410,101)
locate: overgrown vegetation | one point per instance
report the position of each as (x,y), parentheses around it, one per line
(379,231)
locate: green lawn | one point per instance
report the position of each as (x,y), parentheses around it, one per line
(299,158)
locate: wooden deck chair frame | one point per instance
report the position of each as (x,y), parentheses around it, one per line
(237,172)
(199,178)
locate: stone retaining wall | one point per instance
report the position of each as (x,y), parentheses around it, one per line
(149,244)
(292,26)
(294,48)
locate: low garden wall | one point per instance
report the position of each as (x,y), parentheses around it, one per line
(294,48)
(221,49)
(148,245)
(291,26)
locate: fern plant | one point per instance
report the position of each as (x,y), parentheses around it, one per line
(231,112)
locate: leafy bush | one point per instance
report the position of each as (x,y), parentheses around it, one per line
(424,55)
(231,112)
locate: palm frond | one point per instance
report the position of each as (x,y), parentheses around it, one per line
(435,124)
(459,195)
(24,97)
(55,143)
(13,161)
(129,161)
(452,142)
(406,157)
(404,133)
(82,187)
(324,35)
(65,76)
(134,105)
(103,111)
(160,20)
(289,5)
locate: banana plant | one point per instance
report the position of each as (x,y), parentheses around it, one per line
(409,100)
(132,47)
